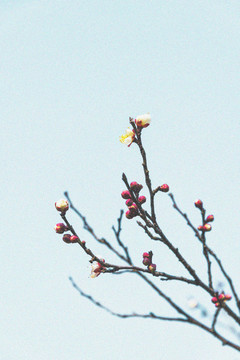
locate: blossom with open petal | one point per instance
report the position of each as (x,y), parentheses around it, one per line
(143,121)
(128,137)
(96,268)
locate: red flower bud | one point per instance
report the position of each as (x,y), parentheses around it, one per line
(146,254)
(207,227)
(133,209)
(217,304)
(62,205)
(129,202)
(74,239)
(146,261)
(66,238)
(228,297)
(214,300)
(200,227)
(126,194)
(221,297)
(199,204)
(142,199)
(135,186)
(210,218)
(83,242)
(164,188)
(129,214)
(152,267)
(60,228)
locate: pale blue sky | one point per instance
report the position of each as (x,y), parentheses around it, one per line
(71,73)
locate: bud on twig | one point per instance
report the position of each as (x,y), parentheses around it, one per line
(60,228)
(126,194)
(66,238)
(62,205)
(142,199)
(210,218)
(164,188)
(199,204)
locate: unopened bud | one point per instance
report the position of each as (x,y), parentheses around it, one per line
(214,300)
(135,186)
(207,227)
(210,218)
(217,304)
(152,267)
(199,204)
(228,297)
(129,214)
(74,239)
(142,199)
(200,227)
(133,209)
(164,188)
(126,194)
(60,228)
(66,238)
(221,297)
(146,254)
(146,261)
(143,121)
(129,202)
(62,205)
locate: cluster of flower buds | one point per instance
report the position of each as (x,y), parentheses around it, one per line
(147,261)
(63,206)
(132,207)
(219,299)
(205,227)
(97,268)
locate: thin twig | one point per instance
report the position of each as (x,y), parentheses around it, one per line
(211,252)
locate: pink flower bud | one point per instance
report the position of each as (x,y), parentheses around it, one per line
(74,239)
(214,300)
(146,261)
(129,214)
(129,202)
(217,304)
(60,228)
(135,186)
(62,205)
(228,297)
(146,254)
(199,204)
(142,199)
(200,227)
(126,194)
(207,227)
(164,188)
(221,297)
(210,218)
(83,242)
(133,209)
(152,268)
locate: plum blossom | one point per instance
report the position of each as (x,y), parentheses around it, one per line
(128,137)
(143,121)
